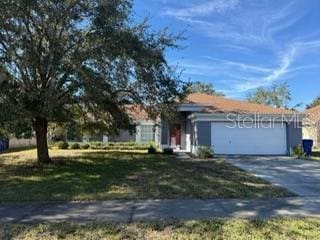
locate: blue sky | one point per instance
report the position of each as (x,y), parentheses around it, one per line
(239,45)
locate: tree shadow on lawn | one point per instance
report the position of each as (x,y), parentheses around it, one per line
(115,175)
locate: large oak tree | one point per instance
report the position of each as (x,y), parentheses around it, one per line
(66,59)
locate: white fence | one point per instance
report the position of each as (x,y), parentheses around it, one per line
(18,143)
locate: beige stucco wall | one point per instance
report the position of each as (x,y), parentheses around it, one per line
(311,131)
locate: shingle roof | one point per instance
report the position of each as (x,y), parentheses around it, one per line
(218,104)
(214,104)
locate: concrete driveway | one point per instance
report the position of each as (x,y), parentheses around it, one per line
(299,176)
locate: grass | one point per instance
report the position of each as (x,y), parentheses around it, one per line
(233,229)
(316,155)
(104,175)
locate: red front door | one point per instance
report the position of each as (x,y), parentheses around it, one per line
(175,135)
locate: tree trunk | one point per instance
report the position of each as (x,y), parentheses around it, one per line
(41,128)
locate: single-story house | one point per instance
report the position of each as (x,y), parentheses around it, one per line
(311,125)
(227,126)
(14,142)
(22,142)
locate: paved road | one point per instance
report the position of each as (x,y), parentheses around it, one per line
(128,211)
(299,176)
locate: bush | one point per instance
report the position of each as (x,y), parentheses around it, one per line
(152,150)
(63,145)
(131,143)
(298,151)
(96,144)
(75,146)
(118,146)
(168,151)
(204,152)
(85,146)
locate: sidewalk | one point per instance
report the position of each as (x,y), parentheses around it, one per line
(129,211)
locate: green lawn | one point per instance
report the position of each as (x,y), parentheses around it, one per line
(232,229)
(102,175)
(316,155)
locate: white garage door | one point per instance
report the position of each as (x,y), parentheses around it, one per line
(250,139)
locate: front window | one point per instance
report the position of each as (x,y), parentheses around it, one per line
(147,133)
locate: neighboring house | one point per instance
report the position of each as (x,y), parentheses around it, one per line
(21,142)
(311,125)
(227,126)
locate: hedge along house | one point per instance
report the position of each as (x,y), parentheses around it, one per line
(227,126)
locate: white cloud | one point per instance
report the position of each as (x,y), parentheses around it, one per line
(235,47)
(203,9)
(286,59)
(303,67)
(253,23)
(241,66)
(241,77)
(307,46)
(209,67)
(226,31)
(258,33)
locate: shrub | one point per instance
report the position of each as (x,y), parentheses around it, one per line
(96,144)
(63,145)
(298,151)
(168,151)
(152,150)
(118,146)
(85,146)
(75,146)
(204,152)
(131,143)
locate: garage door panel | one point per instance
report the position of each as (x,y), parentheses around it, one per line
(250,140)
